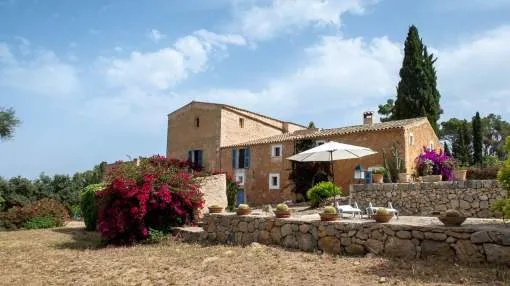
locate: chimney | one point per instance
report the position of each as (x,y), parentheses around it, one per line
(368,118)
(285,127)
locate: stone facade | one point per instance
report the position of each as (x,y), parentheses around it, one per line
(466,244)
(214,189)
(473,198)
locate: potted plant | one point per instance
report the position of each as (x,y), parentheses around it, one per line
(215,209)
(382,215)
(403,176)
(460,173)
(452,218)
(282,211)
(434,167)
(378,175)
(243,209)
(329,214)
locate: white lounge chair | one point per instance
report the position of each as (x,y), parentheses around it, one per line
(371,209)
(341,209)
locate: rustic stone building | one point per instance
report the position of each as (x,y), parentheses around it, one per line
(253,147)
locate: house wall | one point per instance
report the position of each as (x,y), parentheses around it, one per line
(182,135)
(423,135)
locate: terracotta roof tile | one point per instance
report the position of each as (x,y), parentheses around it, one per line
(319,133)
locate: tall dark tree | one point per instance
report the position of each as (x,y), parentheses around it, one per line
(311,125)
(446,149)
(461,147)
(477,139)
(417,93)
(8,122)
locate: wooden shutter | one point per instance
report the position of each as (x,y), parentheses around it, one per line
(234,158)
(200,158)
(247,158)
(190,156)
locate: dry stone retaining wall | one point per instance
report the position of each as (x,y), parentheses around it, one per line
(467,244)
(473,198)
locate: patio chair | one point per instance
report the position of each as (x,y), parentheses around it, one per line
(371,209)
(341,209)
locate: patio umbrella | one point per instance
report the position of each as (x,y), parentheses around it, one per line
(332,151)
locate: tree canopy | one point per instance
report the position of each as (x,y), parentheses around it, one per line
(8,122)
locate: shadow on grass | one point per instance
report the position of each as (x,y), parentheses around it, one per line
(81,239)
(433,271)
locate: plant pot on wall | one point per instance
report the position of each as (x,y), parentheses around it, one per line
(460,175)
(404,177)
(432,178)
(215,209)
(377,178)
(382,218)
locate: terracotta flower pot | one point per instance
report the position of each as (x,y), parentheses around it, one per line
(404,177)
(328,217)
(382,218)
(215,210)
(452,220)
(432,178)
(460,175)
(282,214)
(243,211)
(377,178)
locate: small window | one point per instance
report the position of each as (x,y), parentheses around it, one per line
(197,122)
(241,122)
(411,139)
(276,151)
(431,146)
(274,181)
(319,142)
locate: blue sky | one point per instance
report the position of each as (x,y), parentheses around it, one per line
(94,80)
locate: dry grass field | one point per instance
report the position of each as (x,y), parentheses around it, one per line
(71,256)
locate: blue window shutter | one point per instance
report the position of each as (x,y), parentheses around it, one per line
(200,159)
(234,158)
(247,158)
(190,156)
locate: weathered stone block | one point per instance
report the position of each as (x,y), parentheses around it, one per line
(355,249)
(306,242)
(435,236)
(468,252)
(403,234)
(497,253)
(440,250)
(243,226)
(374,246)
(286,229)
(330,245)
(404,248)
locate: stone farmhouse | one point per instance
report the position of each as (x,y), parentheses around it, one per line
(253,147)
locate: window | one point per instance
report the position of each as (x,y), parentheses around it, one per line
(319,142)
(411,139)
(241,122)
(241,158)
(276,151)
(274,181)
(196,157)
(431,146)
(197,122)
(240,179)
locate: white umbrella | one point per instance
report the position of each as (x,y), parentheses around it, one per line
(332,151)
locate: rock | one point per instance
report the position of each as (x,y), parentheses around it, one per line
(355,249)
(403,234)
(450,240)
(440,250)
(374,246)
(243,226)
(290,241)
(362,235)
(351,233)
(330,245)
(388,231)
(276,234)
(345,241)
(464,205)
(383,280)
(264,236)
(417,234)
(468,252)
(377,235)
(435,236)
(304,228)
(484,204)
(255,245)
(403,248)
(251,227)
(480,237)
(286,229)
(497,253)
(306,242)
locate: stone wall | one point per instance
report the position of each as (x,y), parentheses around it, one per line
(215,191)
(466,244)
(473,198)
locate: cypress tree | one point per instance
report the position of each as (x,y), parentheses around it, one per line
(447,149)
(477,139)
(461,146)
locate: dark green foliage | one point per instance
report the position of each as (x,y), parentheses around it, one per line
(446,149)
(417,93)
(503,206)
(485,173)
(461,147)
(88,205)
(40,222)
(16,217)
(311,125)
(8,122)
(155,236)
(393,163)
(322,191)
(477,140)
(232,190)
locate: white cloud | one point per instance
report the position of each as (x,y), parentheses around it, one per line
(42,73)
(155,35)
(220,40)
(263,22)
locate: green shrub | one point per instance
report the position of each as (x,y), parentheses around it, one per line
(88,205)
(40,222)
(155,236)
(16,217)
(76,212)
(329,210)
(322,191)
(503,206)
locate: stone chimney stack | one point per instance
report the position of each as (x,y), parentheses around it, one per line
(368,118)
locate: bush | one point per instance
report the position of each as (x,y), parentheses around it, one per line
(76,212)
(431,163)
(158,194)
(322,191)
(503,206)
(16,217)
(488,173)
(88,205)
(40,222)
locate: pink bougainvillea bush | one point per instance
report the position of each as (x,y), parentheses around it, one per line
(156,193)
(430,162)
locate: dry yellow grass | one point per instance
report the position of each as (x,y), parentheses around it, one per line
(71,256)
